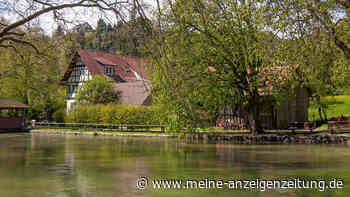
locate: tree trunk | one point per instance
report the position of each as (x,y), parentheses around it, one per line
(253,118)
(320,113)
(318,100)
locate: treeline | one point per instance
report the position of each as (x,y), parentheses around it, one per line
(123,38)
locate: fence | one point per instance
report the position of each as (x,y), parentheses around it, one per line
(338,125)
(104,127)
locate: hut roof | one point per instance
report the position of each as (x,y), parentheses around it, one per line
(11,104)
(271,77)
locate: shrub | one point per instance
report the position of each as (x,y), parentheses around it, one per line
(58,116)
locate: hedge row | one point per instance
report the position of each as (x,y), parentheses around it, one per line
(115,114)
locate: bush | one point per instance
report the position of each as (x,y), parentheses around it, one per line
(98,90)
(58,116)
(115,114)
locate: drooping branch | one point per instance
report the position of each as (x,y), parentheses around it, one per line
(325,19)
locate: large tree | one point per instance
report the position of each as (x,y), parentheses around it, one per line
(209,57)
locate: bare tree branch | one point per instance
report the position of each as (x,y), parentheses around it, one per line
(49,6)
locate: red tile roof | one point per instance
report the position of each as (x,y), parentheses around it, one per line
(105,61)
(270,76)
(93,60)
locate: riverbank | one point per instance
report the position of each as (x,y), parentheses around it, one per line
(100,133)
(220,138)
(320,138)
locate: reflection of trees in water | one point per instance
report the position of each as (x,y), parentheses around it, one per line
(276,156)
(13,150)
(103,166)
(107,166)
(279,162)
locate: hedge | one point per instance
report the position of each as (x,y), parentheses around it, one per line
(115,114)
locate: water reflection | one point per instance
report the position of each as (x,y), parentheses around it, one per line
(81,166)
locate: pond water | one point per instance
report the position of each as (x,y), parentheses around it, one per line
(86,166)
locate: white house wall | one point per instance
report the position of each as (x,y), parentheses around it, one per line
(76,79)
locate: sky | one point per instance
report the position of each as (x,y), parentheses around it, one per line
(47,22)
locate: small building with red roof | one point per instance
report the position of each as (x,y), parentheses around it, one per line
(293,109)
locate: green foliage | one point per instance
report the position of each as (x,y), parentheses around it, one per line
(115,114)
(124,38)
(99,90)
(59,115)
(33,78)
(336,106)
(316,37)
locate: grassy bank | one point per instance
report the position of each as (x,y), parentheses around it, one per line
(336,106)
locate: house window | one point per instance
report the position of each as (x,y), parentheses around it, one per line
(109,70)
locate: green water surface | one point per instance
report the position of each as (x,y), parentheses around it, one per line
(86,166)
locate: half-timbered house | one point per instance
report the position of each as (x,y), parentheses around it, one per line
(127,72)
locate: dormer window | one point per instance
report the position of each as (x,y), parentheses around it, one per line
(109,70)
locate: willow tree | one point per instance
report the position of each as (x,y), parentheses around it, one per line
(332,16)
(208,56)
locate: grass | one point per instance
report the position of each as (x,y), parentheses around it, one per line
(337,106)
(218,130)
(322,127)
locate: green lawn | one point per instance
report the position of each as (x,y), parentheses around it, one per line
(337,105)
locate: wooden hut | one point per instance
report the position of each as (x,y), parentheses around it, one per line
(12,114)
(271,116)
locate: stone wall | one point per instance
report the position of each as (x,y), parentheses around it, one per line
(266,139)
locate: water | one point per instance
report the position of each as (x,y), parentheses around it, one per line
(82,166)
